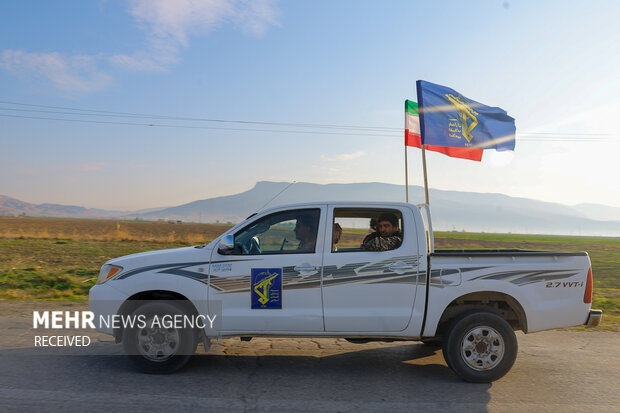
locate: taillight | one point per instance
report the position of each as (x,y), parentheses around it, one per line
(587,296)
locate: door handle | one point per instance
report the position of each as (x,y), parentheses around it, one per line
(306,268)
(401,267)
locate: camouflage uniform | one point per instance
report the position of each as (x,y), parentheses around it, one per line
(375,242)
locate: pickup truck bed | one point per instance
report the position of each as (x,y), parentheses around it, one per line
(499,252)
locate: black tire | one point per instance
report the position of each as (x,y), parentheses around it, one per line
(179,343)
(480,347)
(446,355)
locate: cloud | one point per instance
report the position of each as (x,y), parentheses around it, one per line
(74,73)
(254,17)
(140,62)
(344,156)
(168,26)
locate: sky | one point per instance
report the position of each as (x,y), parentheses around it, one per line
(91,68)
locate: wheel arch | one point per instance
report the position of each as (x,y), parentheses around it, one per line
(502,304)
(132,302)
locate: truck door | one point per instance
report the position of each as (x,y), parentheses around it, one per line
(368,291)
(272,280)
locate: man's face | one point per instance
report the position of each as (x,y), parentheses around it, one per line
(302,232)
(386,229)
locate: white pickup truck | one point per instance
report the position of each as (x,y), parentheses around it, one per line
(283,272)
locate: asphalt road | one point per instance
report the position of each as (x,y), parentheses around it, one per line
(555,371)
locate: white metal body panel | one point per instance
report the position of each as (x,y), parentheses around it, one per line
(180,270)
(301,292)
(524,278)
(361,290)
(103,299)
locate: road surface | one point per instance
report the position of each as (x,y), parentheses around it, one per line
(561,371)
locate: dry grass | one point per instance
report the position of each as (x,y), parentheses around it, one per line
(107,230)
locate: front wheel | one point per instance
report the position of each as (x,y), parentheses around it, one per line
(481,347)
(155,347)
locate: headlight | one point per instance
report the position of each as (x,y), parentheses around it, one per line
(107,272)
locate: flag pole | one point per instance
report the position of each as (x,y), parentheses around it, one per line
(425,178)
(406,173)
(421,115)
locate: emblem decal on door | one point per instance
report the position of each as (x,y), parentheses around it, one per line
(266,288)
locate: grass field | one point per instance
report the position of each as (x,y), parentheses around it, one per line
(107,230)
(46,258)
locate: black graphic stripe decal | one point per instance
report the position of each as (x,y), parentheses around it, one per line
(160,266)
(176,267)
(353,273)
(521,278)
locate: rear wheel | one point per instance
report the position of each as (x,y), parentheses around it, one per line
(480,347)
(155,347)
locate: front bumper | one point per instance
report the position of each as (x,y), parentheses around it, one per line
(594,318)
(104,302)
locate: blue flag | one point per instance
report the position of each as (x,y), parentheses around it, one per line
(460,127)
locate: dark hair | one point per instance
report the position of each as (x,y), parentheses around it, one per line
(373,222)
(391,218)
(308,220)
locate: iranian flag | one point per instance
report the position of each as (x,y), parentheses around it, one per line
(412,125)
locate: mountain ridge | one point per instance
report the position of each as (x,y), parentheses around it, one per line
(452,210)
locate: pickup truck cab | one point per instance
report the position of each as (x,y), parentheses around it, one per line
(287,272)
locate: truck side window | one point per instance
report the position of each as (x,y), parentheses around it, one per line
(286,232)
(359,229)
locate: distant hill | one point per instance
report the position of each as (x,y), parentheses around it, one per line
(11,206)
(599,212)
(452,210)
(14,207)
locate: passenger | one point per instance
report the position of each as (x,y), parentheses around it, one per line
(305,232)
(336,234)
(373,224)
(387,237)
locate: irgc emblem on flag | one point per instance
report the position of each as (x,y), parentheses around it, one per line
(452,124)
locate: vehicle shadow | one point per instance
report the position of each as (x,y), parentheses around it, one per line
(398,378)
(399,375)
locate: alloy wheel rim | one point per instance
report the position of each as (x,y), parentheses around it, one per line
(482,348)
(157,343)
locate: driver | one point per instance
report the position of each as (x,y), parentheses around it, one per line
(305,232)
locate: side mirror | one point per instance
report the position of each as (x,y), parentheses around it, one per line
(227,244)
